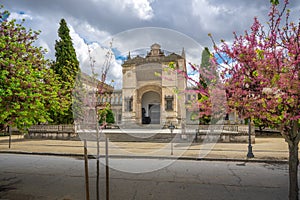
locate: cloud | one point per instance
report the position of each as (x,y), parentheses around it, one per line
(20,16)
(90,33)
(79,45)
(221,18)
(97,21)
(142,8)
(96,59)
(44,44)
(208,14)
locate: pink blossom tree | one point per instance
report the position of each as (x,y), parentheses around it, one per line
(209,106)
(208,102)
(263,81)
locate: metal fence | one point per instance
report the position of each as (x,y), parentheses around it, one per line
(63,128)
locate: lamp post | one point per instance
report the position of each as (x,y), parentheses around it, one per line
(171,127)
(250,153)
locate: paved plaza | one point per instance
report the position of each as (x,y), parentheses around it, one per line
(264,149)
(144,170)
(40,177)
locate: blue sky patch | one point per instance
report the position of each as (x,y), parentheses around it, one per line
(224,56)
(118,54)
(4,16)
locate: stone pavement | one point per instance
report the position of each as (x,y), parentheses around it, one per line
(265,149)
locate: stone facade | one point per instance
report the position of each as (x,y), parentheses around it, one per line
(148,91)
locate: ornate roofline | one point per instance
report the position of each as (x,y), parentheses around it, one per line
(156,55)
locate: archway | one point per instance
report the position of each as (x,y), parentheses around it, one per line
(151,108)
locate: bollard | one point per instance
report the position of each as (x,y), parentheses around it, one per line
(196,135)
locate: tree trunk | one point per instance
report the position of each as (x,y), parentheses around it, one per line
(293,138)
(293,170)
(98,167)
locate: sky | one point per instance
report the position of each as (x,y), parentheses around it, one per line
(133,25)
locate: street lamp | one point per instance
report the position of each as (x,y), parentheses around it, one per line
(250,153)
(171,127)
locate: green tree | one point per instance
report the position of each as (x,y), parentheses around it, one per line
(29,89)
(110,119)
(205,59)
(106,116)
(209,106)
(205,63)
(67,67)
(274,2)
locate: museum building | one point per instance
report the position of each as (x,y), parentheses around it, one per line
(148,94)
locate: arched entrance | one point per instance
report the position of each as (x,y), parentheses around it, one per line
(151,108)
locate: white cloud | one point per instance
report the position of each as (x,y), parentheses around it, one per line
(19,16)
(142,8)
(116,74)
(45,45)
(80,46)
(97,54)
(95,21)
(88,32)
(210,15)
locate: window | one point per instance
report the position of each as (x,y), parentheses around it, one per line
(128,104)
(169,103)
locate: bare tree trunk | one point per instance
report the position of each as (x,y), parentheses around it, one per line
(293,141)
(293,170)
(98,167)
(106,168)
(9,137)
(86,170)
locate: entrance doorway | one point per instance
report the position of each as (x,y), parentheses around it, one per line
(150,108)
(154,113)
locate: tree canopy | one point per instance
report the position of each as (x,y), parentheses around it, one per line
(263,81)
(209,106)
(204,83)
(29,89)
(105,115)
(67,67)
